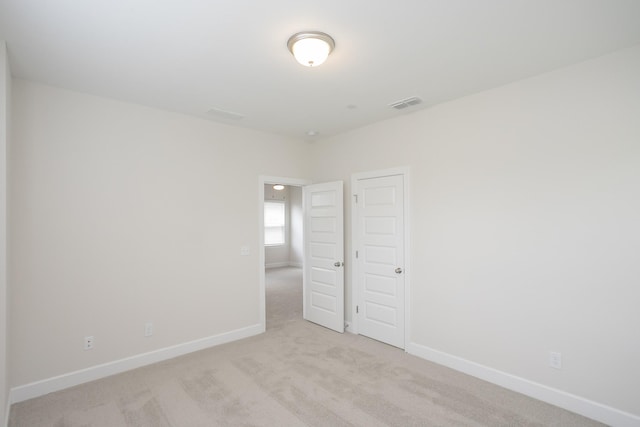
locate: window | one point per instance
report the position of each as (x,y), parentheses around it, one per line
(274,223)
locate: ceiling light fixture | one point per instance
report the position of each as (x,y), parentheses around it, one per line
(311,48)
(278,187)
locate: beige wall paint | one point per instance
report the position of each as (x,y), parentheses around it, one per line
(5,87)
(524,224)
(124,214)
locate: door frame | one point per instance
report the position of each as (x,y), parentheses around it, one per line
(355,243)
(262,180)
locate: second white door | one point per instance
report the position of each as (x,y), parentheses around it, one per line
(380,271)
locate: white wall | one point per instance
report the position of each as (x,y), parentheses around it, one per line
(278,256)
(5,87)
(525,221)
(295,229)
(123,214)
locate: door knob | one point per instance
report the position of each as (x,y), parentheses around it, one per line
(338,264)
(398,270)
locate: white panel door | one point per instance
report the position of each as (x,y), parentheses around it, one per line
(324,255)
(380,228)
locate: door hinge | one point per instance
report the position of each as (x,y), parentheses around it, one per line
(356,254)
(357,309)
(356,198)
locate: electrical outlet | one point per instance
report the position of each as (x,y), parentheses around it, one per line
(555,360)
(148,329)
(88,343)
(245,251)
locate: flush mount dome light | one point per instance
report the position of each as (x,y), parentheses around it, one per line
(311,48)
(278,187)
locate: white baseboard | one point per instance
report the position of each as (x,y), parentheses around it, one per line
(283,264)
(7,409)
(588,408)
(40,388)
(276,265)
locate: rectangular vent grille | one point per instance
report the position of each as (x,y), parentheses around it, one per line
(405,103)
(225,114)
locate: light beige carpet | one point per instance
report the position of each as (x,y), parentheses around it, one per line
(296,374)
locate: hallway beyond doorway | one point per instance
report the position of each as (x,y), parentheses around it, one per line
(284,295)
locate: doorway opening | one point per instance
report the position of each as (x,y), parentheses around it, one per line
(323,249)
(281,250)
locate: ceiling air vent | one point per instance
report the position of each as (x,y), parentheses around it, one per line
(225,114)
(405,103)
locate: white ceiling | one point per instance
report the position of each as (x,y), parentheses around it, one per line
(194,55)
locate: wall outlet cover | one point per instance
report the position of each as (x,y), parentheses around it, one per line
(148,329)
(555,360)
(88,342)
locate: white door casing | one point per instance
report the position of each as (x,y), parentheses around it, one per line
(380,279)
(323,285)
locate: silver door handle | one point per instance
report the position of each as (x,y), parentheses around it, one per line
(338,264)
(398,270)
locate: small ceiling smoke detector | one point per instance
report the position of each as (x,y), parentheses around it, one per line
(311,48)
(405,103)
(312,133)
